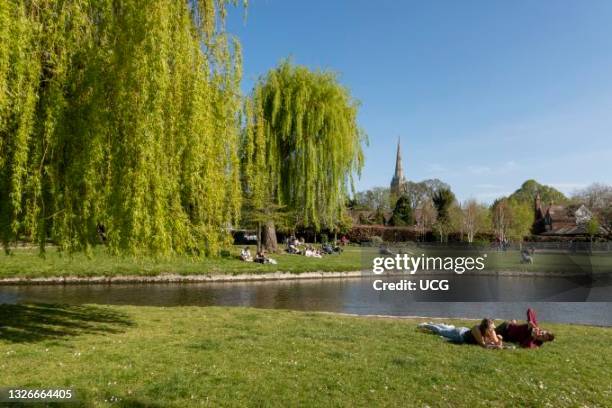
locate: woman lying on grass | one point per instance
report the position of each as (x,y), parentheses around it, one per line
(483,334)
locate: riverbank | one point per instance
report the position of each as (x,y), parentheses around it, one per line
(99,265)
(259,277)
(26,266)
(190,356)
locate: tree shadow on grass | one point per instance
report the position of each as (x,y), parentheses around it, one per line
(31,323)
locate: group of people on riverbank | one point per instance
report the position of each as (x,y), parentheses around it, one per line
(296,246)
(260,257)
(488,335)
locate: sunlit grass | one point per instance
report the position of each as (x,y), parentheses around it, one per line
(190,356)
(26,263)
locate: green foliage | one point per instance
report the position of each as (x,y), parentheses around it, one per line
(376,241)
(302,144)
(512,219)
(522,219)
(344,224)
(379,217)
(118,113)
(443,200)
(530,188)
(476,219)
(373,199)
(592,227)
(402,214)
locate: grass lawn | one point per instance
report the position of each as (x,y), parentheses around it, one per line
(26,263)
(190,356)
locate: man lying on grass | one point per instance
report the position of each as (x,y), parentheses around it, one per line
(483,334)
(528,335)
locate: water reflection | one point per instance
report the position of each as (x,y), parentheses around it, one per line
(560,300)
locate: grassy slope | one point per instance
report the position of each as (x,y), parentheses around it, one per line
(28,264)
(183,357)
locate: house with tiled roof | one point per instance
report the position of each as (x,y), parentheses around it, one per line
(560,220)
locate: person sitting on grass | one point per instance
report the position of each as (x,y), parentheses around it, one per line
(527,335)
(384,250)
(245,255)
(263,259)
(483,334)
(527,255)
(328,249)
(292,248)
(311,252)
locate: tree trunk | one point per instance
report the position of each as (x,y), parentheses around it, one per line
(258,236)
(269,237)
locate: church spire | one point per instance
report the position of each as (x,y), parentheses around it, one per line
(399,172)
(398,182)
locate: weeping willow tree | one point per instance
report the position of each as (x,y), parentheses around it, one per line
(301,147)
(122,117)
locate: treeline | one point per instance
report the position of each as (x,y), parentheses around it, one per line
(431,207)
(123,122)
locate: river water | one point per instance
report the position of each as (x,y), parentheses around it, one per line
(555,299)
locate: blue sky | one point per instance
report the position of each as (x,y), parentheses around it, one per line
(484,94)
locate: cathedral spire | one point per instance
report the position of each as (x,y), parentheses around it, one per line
(399,172)
(398,182)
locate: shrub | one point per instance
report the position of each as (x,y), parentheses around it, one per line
(376,240)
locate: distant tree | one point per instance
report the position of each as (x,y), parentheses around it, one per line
(379,217)
(377,198)
(476,218)
(530,188)
(402,214)
(592,229)
(522,218)
(500,217)
(511,219)
(435,185)
(457,220)
(420,192)
(606,216)
(442,200)
(426,217)
(597,196)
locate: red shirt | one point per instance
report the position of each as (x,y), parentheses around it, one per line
(522,334)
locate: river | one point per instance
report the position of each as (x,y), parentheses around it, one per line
(555,299)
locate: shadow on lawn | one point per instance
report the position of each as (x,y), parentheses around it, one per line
(39,322)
